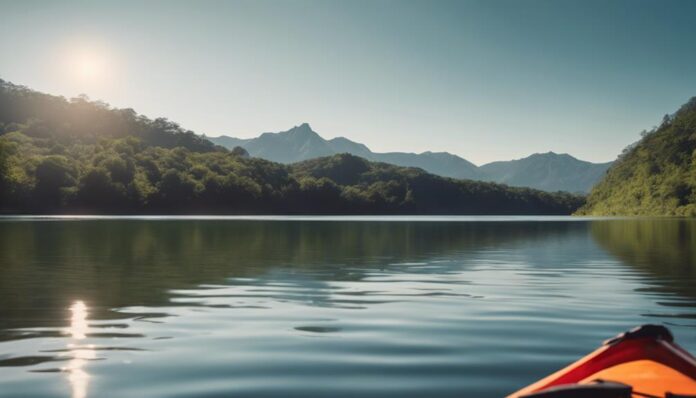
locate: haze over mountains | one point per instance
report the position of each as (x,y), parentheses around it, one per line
(548,171)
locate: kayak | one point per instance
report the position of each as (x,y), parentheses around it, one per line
(644,362)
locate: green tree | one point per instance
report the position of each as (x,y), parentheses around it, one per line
(4,171)
(176,188)
(97,190)
(121,170)
(54,174)
(241,152)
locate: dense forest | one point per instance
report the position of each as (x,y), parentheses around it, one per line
(82,156)
(655,176)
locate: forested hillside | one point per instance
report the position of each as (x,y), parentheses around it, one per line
(80,120)
(655,176)
(77,156)
(379,187)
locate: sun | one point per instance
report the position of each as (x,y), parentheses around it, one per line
(89,66)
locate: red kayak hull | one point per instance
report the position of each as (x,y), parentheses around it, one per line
(646,358)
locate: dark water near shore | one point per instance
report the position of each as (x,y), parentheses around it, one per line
(327,307)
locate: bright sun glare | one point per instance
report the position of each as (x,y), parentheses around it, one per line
(87,65)
(81,354)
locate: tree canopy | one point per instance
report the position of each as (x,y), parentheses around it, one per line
(655,176)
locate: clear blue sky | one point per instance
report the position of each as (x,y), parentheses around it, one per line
(487,80)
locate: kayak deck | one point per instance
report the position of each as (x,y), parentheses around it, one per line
(647,377)
(645,360)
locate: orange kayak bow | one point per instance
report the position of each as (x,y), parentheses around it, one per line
(644,362)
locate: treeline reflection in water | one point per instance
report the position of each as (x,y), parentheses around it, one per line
(664,249)
(113,264)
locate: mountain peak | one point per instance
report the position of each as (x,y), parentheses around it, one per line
(303,130)
(550,155)
(303,127)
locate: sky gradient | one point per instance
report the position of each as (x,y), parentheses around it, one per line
(486,80)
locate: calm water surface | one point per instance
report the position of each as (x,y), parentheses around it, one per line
(443,307)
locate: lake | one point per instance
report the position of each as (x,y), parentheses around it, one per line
(327,306)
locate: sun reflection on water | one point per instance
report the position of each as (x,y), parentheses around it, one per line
(81,354)
(78,320)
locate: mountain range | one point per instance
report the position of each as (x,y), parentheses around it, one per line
(548,171)
(60,156)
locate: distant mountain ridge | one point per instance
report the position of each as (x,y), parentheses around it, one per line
(549,171)
(302,143)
